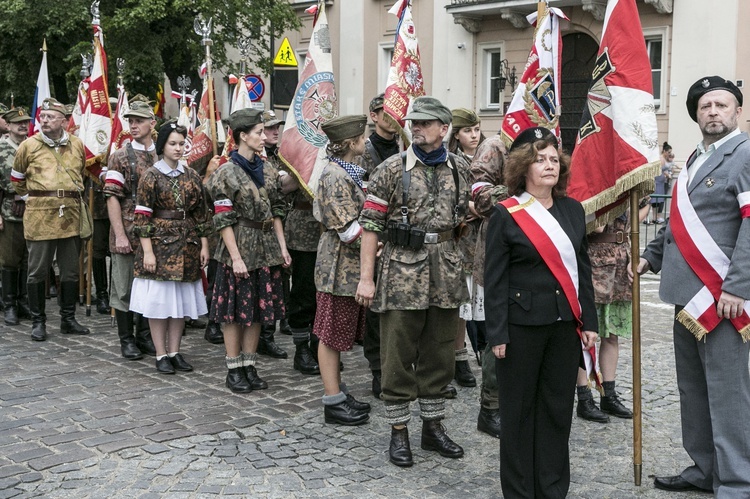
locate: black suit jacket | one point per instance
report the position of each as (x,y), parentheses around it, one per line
(519,288)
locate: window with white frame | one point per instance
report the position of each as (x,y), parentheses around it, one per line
(490,57)
(656,46)
(385,54)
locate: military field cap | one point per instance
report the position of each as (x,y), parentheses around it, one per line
(705,85)
(345,127)
(3,108)
(270,119)
(429,108)
(463,117)
(531,135)
(140,109)
(245,118)
(52,104)
(377,103)
(16,115)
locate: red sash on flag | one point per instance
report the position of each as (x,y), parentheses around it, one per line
(558,253)
(707,260)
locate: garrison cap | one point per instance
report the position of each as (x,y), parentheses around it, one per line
(531,135)
(16,115)
(377,103)
(429,108)
(345,127)
(270,119)
(705,85)
(3,108)
(463,117)
(52,104)
(245,118)
(140,109)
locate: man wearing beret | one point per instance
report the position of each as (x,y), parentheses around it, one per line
(48,168)
(419,198)
(13,253)
(126,166)
(705,254)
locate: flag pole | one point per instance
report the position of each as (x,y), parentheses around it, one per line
(204,29)
(637,413)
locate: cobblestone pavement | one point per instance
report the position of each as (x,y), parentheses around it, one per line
(77,420)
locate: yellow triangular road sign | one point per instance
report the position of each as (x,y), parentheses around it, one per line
(285,56)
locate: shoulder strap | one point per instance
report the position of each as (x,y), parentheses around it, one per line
(405,182)
(373,152)
(133,171)
(454,171)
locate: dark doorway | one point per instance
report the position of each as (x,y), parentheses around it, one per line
(578,58)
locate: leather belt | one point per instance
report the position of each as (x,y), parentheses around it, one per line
(265,225)
(618,237)
(438,237)
(170,214)
(303,205)
(59,193)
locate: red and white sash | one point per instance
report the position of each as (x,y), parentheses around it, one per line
(558,253)
(706,259)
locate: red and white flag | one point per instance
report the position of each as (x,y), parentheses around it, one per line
(74,122)
(120,127)
(617,144)
(405,81)
(536,98)
(41,92)
(303,141)
(240,100)
(202,146)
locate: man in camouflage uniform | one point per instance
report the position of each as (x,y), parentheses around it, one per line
(126,166)
(487,190)
(420,283)
(48,168)
(13,253)
(379,146)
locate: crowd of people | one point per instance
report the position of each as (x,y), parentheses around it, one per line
(404,251)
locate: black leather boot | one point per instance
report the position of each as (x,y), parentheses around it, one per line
(252,377)
(143,336)
(399,451)
(489,421)
(304,361)
(435,438)
(127,339)
(463,374)
(284,327)
(237,381)
(22,301)
(213,333)
(377,388)
(267,346)
(68,297)
(356,404)
(37,300)
(587,409)
(448,391)
(612,405)
(10,291)
(344,414)
(99,270)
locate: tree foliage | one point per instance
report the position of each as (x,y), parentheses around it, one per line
(155,37)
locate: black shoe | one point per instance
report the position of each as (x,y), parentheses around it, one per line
(284,327)
(677,484)
(612,405)
(11,314)
(399,451)
(195,323)
(435,438)
(587,409)
(164,365)
(237,381)
(463,375)
(344,414)
(68,298)
(489,421)
(356,404)
(213,333)
(39,331)
(266,345)
(180,364)
(102,305)
(377,387)
(304,361)
(449,391)
(254,379)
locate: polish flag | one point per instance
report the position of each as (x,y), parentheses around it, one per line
(42,92)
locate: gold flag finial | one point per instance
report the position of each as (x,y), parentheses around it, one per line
(44,45)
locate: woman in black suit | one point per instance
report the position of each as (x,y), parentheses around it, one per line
(540,312)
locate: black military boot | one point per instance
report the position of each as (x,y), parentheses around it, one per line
(10,290)
(610,402)
(213,333)
(377,388)
(284,327)
(127,339)
(37,296)
(68,292)
(463,374)
(267,346)
(435,438)
(488,421)
(237,381)
(99,270)
(304,361)
(143,336)
(586,407)
(399,451)
(22,301)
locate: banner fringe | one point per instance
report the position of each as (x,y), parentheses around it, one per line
(691,324)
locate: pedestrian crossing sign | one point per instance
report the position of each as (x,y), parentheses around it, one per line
(285,56)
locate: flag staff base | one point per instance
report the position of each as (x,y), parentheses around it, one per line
(637,473)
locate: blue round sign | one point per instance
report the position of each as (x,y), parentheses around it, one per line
(255,87)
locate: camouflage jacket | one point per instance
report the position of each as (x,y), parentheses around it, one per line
(609,265)
(35,167)
(487,190)
(176,243)
(468,243)
(118,184)
(432,275)
(7,153)
(99,207)
(337,205)
(301,230)
(235,196)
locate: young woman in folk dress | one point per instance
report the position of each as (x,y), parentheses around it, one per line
(172,221)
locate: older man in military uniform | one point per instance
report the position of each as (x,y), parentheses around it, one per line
(13,253)
(419,198)
(126,166)
(48,168)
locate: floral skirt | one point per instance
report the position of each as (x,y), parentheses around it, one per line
(257,298)
(339,320)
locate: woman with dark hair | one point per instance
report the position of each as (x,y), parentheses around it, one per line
(339,319)
(661,182)
(248,290)
(172,221)
(540,311)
